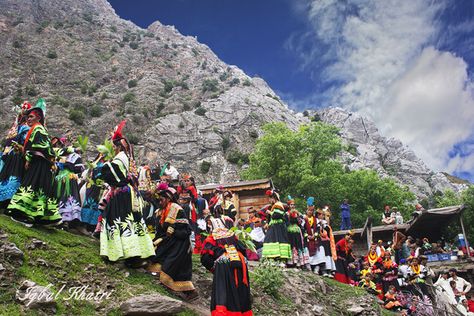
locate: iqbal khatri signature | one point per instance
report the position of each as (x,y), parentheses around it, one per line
(81,293)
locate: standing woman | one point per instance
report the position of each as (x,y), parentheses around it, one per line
(12,158)
(124,234)
(276,244)
(173,255)
(223,255)
(34,202)
(295,236)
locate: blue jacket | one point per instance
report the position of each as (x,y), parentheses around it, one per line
(346,210)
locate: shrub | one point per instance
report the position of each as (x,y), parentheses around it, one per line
(52,54)
(247,83)
(253,134)
(133,45)
(268,277)
(132,83)
(104,96)
(210,85)
(77,116)
(200,111)
(195,52)
(31,91)
(234,82)
(225,143)
(95,111)
(236,157)
(181,125)
(186,106)
(224,76)
(205,166)
(133,139)
(129,96)
(168,85)
(316,118)
(17,44)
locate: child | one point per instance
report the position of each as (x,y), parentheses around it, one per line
(390,299)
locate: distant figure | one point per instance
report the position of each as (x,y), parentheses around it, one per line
(345,215)
(388,217)
(171,171)
(418,211)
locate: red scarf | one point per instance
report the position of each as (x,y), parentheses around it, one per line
(28,135)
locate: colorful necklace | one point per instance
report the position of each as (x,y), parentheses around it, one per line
(372,258)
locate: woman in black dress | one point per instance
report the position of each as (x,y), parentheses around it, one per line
(173,254)
(124,234)
(223,255)
(34,202)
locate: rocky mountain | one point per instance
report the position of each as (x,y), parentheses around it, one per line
(367,149)
(182,103)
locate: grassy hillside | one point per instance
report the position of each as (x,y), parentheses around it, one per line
(73,261)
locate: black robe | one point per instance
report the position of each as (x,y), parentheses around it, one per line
(230,285)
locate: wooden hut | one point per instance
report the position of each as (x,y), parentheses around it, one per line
(246,194)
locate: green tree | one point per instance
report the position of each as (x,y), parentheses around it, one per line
(304,163)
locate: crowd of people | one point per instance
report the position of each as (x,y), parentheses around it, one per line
(156,218)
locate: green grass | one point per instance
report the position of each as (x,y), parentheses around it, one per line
(72,260)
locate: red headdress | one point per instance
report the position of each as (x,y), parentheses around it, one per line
(25,106)
(118,131)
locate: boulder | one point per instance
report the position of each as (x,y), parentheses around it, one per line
(355,310)
(12,253)
(151,305)
(35,296)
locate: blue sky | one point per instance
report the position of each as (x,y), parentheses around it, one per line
(408,65)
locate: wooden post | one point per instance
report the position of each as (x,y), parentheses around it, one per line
(465,236)
(369,235)
(237,206)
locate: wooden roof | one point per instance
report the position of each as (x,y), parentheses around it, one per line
(429,223)
(238,186)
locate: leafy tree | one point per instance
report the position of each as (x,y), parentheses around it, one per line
(304,163)
(449,198)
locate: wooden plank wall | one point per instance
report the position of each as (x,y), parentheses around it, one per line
(254,198)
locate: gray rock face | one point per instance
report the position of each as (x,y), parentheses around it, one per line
(180,100)
(152,305)
(35,296)
(387,156)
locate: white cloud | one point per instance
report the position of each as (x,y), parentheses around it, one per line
(382,53)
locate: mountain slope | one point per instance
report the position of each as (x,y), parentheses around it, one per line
(181,102)
(95,69)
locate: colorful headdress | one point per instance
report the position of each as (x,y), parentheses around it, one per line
(40,108)
(25,107)
(310,201)
(185,176)
(290,200)
(118,131)
(273,194)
